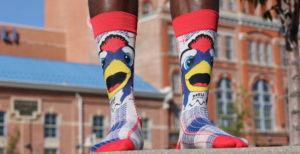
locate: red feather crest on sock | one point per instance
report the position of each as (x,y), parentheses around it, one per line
(112,43)
(202,43)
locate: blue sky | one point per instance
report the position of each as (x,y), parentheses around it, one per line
(22,12)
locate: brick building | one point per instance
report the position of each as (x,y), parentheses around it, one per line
(63,86)
(249,59)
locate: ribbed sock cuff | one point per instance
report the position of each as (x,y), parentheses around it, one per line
(195,21)
(113,21)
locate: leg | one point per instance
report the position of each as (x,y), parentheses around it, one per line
(181,7)
(100,6)
(195,23)
(114,24)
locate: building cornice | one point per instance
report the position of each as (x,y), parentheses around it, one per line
(248,20)
(75,89)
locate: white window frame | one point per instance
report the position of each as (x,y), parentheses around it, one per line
(232,5)
(99,127)
(56,126)
(251,51)
(268,55)
(260,92)
(218,47)
(147,129)
(147,5)
(176,83)
(4,124)
(229,47)
(283,55)
(260,53)
(172,43)
(56,149)
(223,4)
(223,90)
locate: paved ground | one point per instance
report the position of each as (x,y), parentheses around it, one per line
(268,150)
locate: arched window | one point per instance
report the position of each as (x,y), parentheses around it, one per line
(147,8)
(263,106)
(225,101)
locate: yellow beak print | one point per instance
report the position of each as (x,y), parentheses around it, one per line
(197,79)
(116,76)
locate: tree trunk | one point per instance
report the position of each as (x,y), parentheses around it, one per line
(289,17)
(294,96)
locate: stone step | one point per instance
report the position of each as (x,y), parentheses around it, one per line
(251,150)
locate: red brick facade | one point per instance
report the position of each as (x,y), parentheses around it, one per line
(67,36)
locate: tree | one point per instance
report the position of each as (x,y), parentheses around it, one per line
(13,142)
(240,113)
(288,13)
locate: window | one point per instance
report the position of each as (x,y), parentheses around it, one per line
(146,129)
(50,126)
(283,55)
(98,126)
(176,83)
(268,54)
(225,101)
(232,5)
(262,106)
(176,112)
(260,53)
(217,48)
(172,44)
(147,8)
(251,48)
(2,124)
(51,151)
(2,150)
(223,4)
(229,48)
(4,34)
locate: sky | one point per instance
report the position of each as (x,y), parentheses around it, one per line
(22,12)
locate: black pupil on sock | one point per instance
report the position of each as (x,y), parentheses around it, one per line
(103,64)
(127,59)
(190,62)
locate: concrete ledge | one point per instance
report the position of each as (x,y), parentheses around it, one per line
(254,150)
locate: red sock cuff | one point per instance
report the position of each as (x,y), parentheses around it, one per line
(194,21)
(112,21)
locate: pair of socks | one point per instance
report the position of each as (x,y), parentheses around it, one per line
(115,33)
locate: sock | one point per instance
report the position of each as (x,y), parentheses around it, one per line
(196,33)
(115,33)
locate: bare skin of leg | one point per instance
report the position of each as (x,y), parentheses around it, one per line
(180,7)
(99,6)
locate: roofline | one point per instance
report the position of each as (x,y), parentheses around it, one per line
(76,89)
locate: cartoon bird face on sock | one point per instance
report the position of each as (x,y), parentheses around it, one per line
(116,60)
(196,64)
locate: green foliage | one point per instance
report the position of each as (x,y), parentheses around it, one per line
(13,142)
(267,15)
(238,114)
